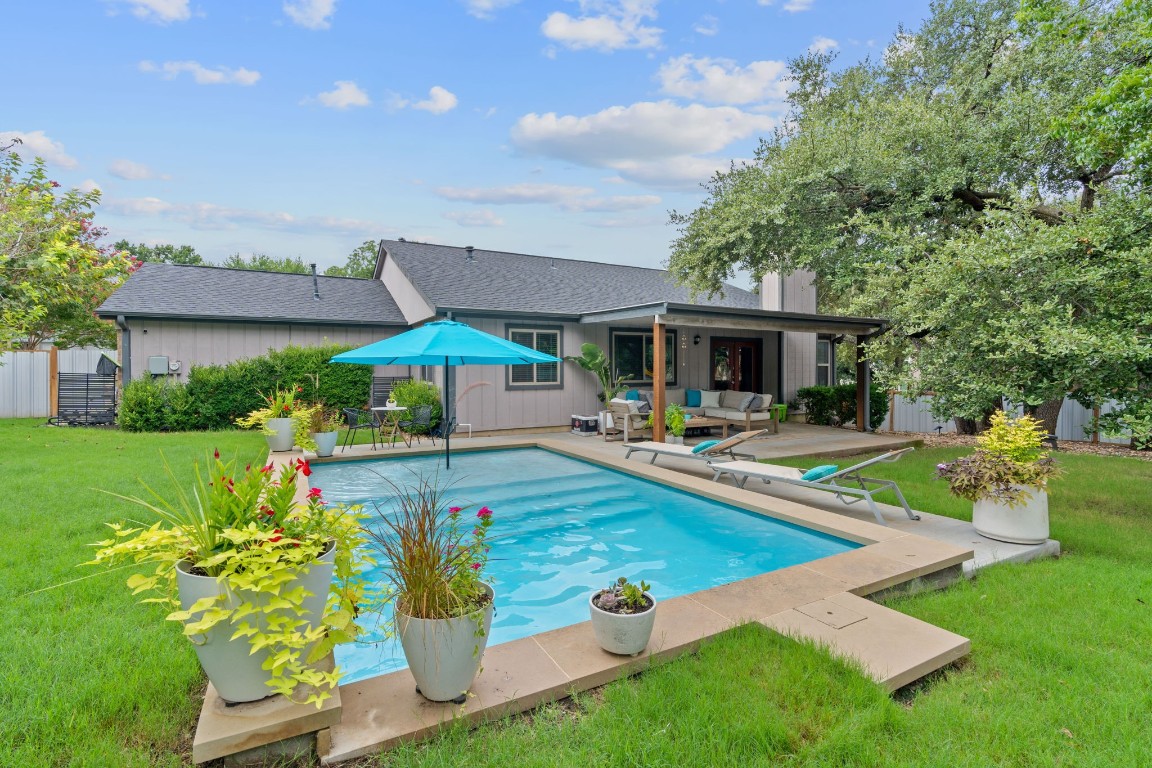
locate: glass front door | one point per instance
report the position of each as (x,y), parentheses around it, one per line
(736,364)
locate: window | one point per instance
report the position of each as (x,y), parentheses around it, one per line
(633,353)
(824,362)
(546,340)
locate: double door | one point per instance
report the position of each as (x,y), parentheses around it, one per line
(736,364)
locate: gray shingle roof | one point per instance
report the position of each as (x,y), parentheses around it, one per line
(495,280)
(177,291)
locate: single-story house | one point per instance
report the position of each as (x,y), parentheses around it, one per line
(774,342)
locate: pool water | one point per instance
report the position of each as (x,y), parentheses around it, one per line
(564,528)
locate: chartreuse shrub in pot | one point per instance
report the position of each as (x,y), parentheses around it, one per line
(285,421)
(324,427)
(434,557)
(623,615)
(264,584)
(1006,478)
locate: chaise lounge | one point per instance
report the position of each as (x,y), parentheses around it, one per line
(706,451)
(863,489)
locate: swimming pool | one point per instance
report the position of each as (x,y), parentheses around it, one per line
(565,527)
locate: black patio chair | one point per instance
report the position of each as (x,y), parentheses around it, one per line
(358,419)
(417,425)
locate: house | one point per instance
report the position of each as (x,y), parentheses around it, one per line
(772,342)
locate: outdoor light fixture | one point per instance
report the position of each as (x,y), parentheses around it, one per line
(696,339)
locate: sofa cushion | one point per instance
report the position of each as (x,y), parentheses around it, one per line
(709,398)
(731,399)
(734,415)
(632,394)
(749,401)
(692,398)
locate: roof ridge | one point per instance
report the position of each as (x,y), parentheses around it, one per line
(221,268)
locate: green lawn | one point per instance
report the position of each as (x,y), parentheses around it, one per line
(1060,672)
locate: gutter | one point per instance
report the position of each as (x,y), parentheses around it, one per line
(125,350)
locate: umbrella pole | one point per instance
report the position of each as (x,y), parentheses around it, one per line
(447,419)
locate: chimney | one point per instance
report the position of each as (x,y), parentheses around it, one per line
(315,283)
(468,250)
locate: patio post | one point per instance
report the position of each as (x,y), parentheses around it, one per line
(863,387)
(658,375)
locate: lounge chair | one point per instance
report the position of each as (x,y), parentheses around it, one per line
(626,421)
(863,487)
(721,450)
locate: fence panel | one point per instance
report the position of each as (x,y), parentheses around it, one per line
(908,415)
(24,385)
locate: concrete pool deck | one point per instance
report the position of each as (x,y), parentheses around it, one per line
(824,601)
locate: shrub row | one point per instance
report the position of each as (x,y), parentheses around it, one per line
(215,395)
(836,406)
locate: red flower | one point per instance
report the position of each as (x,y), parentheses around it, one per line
(475,566)
(216,453)
(484,512)
(303,467)
(267,510)
(314,493)
(267,468)
(276,538)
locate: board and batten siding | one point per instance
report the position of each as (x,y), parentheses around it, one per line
(794,292)
(218,343)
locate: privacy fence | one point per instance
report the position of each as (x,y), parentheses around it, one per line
(29,380)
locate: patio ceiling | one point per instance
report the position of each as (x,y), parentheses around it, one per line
(669,313)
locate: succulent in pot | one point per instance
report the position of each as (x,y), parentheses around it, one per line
(264,576)
(623,616)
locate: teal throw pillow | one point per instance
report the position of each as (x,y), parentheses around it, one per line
(820,472)
(632,394)
(691,398)
(701,447)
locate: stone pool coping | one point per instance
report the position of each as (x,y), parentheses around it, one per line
(821,599)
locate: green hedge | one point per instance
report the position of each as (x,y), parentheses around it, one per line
(416,392)
(216,395)
(836,406)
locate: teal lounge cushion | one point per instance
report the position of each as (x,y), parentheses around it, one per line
(632,394)
(691,398)
(820,472)
(701,447)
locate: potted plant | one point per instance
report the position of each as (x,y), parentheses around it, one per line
(594,360)
(435,557)
(675,422)
(623,616)
(285,421)
(1006,478)
(324,425)
(264,575)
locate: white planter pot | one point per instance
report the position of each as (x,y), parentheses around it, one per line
(285,436)
(626,634)
(325,442)
(444,654)
(237,673)
(1026,523)
(674,440)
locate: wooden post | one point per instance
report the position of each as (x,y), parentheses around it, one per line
(53,380)
(862,386)
(658,376)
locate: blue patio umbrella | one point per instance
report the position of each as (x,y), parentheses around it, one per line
(444,342)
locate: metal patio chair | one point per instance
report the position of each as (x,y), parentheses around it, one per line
(358,419)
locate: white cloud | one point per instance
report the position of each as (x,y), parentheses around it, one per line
(722,81)
(132,171)
(38,144)
(481,218)
(159,11)
(565,198)
(310,14)
(708,25)
(620,24)
(170,70)
(346,94)
(89,185)
(486,9)
(822,44)
(792,6)
(439,101)
(619,136)
(210,216)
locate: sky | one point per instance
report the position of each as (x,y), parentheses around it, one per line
(563,128)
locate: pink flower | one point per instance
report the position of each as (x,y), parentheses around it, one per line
(267,468)
(475,566)
(314,493)
(484,512)
(454,510)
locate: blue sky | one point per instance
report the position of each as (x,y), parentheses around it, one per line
(564,128)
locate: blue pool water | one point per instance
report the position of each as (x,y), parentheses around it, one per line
(563,528)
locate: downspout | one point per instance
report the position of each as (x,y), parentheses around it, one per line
(125,350)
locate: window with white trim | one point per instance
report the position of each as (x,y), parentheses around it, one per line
(824,362)
(546,340)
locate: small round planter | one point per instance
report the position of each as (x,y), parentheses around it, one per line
(626,634)
(1026,523)
(325,442)
(284,437)
(237,673)
(444,654)
(674,439)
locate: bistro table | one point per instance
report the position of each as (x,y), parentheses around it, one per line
(390,416)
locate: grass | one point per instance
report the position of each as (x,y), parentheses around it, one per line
(1060,672)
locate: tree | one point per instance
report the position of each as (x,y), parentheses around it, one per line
(361,262)
(53,273)
(937,188)
(163,253)
(264,263)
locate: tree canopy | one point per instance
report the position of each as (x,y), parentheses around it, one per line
(264,263)
(952,188)
(53,272)
(163,253)
(361,262)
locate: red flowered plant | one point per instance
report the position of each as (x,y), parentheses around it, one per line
(436,554)
(253,531)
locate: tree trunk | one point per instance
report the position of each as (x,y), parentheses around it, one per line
(1048,412)
(965,426)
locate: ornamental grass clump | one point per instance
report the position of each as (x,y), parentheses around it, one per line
(1009,458)
(436,554)
(248,530)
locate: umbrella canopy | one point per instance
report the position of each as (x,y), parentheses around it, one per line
(444,342)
